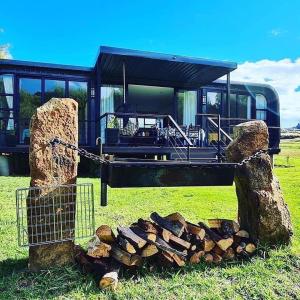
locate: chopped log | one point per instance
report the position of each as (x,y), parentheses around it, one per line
(177,217)
(127,246)
(208,244)
(174,226)
(229,254)
(217,259)
(84,262)
(195,258)
(239,249)
(178,260)
(132,237)
(227,227)
(162,245)
(224,244)
(149,250)
(147,236)
(100,249)
(218,250)
(168,236)
(242,234)
(250,248)
(147,226)
(208,258)
(125,257)
(193,247)
(196,230)
(105,234)
(166,259)
(109,280)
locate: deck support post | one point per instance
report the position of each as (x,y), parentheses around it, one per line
(103,193)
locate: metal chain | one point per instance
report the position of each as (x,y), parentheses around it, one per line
(253,156)
(82,152)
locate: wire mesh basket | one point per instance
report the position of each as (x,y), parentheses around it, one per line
(52,214)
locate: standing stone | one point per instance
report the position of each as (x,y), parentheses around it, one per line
(261,207)
(51,216)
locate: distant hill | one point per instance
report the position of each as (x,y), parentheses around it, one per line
(298,126)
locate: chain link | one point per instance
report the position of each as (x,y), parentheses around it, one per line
(82,152)
(253,156)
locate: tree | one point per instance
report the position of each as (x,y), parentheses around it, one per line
(4,53)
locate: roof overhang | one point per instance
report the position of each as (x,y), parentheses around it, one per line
(159,69)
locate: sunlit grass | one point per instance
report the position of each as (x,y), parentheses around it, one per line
(276,277)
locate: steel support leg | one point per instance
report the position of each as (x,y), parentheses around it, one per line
(103,192)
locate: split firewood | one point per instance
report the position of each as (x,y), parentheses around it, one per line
(109,280)
(161,244)
(178,260)
(242,234)
(208,258)
(196,257)
(224,244)
(208,244)
(217,259)
(193,247)
(105,234)
(149,250)
(125,257)
(174,226)
(227,227)
(250,248)
(196,230)
(177,217)
(132,237)
(229,254)
(97,248)
(127,246)
(165,259)
(218,250)
(83,261)
(239,249)
(169,237)
(147,236)
(147,226)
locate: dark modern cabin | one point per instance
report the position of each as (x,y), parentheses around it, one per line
(136,104)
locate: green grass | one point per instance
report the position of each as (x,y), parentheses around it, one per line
(275,277)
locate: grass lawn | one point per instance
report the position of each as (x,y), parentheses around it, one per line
(275,277)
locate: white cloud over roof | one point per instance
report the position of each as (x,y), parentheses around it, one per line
(284,76)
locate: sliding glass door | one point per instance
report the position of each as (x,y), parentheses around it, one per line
(186,107)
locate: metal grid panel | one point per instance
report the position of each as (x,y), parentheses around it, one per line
(52,214)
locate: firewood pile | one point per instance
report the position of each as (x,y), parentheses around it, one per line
(163,241)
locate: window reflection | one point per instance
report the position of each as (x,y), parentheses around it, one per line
(6,84)
(186,107)
(54,89)
(261,107)
(78,92)
(30,100)
(213,103)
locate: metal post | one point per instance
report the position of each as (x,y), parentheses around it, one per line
(103,199)
(189,152)
(219,137)
(228,100)
(124,83)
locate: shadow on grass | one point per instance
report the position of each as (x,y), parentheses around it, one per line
(16,281)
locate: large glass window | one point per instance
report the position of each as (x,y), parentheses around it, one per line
(30,100)
(6,84)
(233,106)
(78,92)
(244,107)
(261,107)
(54,89)
(186,107)
(213,102)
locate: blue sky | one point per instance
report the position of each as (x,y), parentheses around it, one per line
(70,32)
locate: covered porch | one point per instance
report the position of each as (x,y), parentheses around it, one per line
(140,91)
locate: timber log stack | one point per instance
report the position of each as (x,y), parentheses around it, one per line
(162,242)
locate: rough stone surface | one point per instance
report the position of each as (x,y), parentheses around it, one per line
(261,207)
(56,118)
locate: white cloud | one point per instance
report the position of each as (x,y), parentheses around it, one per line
(284,76)
(275,32)
(4,51)
(1,30)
